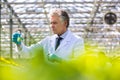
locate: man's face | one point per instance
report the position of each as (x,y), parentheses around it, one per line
(58,26)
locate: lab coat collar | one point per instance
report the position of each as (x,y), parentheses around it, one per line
(65,41)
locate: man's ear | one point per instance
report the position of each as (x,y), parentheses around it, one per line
(65,23)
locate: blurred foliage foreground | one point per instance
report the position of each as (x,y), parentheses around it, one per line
(93,65)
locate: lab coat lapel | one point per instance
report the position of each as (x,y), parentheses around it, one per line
(65,42)
(53,42)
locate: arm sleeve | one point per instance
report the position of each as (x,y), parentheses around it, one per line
(30,51)
(35,48)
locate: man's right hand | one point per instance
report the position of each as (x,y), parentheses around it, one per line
(16,38)
(54,58)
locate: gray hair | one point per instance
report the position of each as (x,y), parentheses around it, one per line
(62,13)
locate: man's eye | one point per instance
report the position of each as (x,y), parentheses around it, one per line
(53,23)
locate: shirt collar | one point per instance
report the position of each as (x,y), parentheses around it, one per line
(64,34)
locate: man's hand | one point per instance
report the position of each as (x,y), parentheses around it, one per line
(54,58)
(16,38)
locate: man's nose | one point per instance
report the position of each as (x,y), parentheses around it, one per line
(52,26)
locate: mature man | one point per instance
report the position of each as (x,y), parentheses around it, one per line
(63,45)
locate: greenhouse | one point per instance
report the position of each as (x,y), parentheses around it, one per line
(96,21)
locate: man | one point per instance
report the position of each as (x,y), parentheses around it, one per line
(63,45)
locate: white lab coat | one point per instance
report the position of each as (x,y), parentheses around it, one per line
(70,47)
